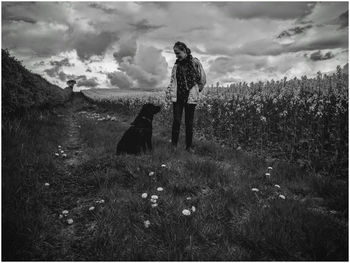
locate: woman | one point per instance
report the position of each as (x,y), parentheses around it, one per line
(187,80)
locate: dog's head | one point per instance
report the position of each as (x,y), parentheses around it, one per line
(149,109)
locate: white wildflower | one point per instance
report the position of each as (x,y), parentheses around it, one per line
(239,148)
(59,146)
(263,118)
(153,200)
(70,221)
(267,174)
(144,195)
(151,173)
(154,205)
(188,198)
(57,154)
(60,216)
(147,223)
(47,184)
(154,197)
(269,168)
(276,185)
(91,208)
(64,155)
(186,212)
(65,212)
(163,165)
(255,189)
(282,196)
(159,189)
(193,209)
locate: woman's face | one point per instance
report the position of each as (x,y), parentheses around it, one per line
(180,54)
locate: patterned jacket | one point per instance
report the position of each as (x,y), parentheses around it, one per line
(193,97)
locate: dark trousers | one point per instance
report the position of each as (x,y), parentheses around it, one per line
(177,115)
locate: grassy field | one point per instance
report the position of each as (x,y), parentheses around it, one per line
(241,213)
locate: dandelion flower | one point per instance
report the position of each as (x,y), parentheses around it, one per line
(153,200)
(193,209)
(144,195)
(159,189)
(151,173)
(239,148)
(91,208)
(163,165)
(188,198)
(59,146)
(154,205)
(154,196)
(282,196)
(255,189)
(186,212)
(47,184)
(276,185)
(269,168)
(57,154)
(60,216)
(102,201)
(147,223)
(65,212)
(267,174)
(70,221)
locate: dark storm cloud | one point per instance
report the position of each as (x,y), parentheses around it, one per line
(120,80)
(84,81)
(344,20)
(263,47)
(94,44)
(144,26)
(57,65)
(127,48)
(103,8)
(222,65)
(293,31)
(316,56)
(160,5)
(272,10)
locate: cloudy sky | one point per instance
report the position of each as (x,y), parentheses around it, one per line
(129,45)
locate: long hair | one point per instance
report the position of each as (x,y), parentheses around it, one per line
(182,46)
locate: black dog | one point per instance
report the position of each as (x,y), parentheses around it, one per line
(139,136)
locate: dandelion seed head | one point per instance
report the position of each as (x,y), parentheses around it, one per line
(282,196)
(47,184)
(147,223)
(269,168)
(159,189)
(65,212)
(151,174)
(144,195)
(255,189)
(91,208)
(186,212)
(193,209)
(154,197)
(70,221)
(163,165)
